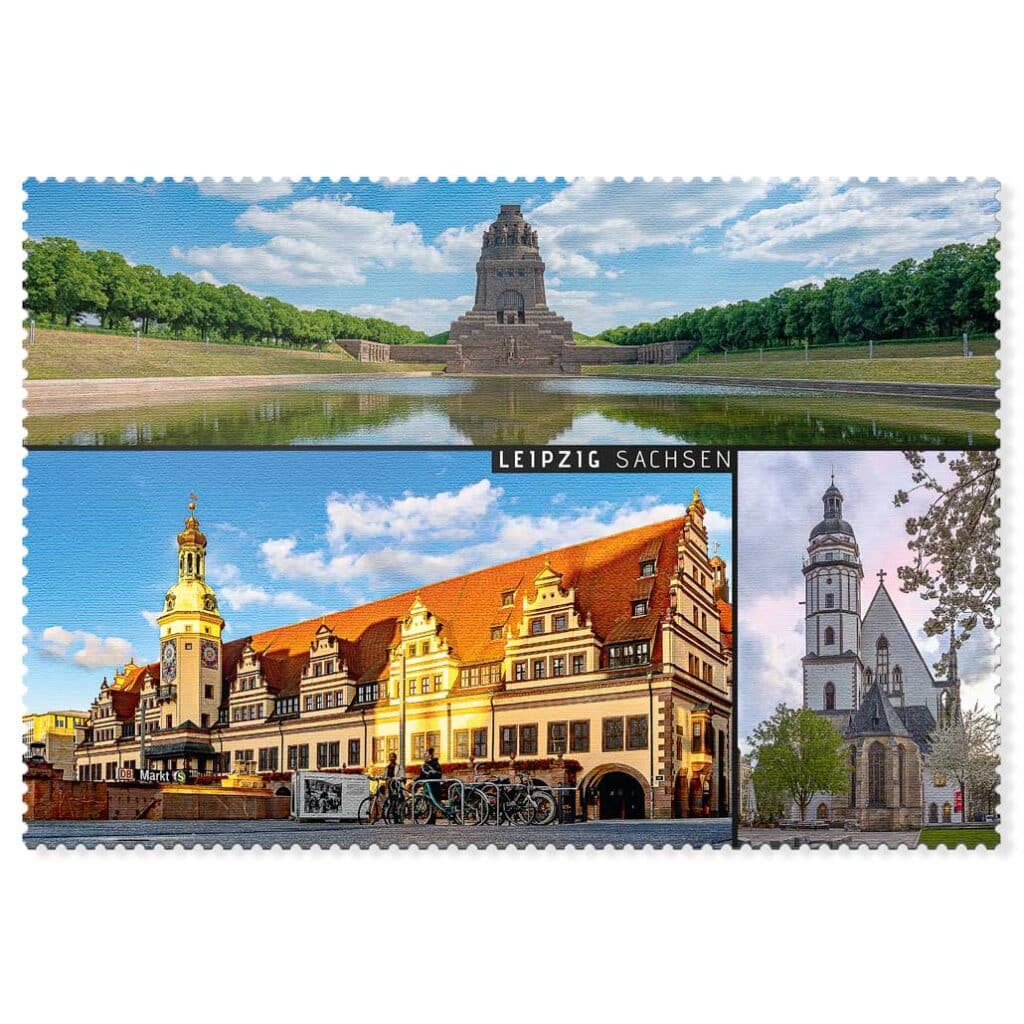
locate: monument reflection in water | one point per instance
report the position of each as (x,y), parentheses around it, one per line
(505,410)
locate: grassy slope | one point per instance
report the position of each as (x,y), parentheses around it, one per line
(61,355)
(952,837)
(930,370)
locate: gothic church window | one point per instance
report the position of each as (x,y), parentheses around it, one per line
(899,773)
(882,660)
(876,775)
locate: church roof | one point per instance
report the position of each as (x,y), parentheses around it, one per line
(920,723)
(725,623)
(883,599)
(876,716)
(829,525)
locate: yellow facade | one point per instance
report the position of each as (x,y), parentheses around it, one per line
(535,668)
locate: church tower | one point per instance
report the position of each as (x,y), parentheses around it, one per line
(190,637)
(832,608)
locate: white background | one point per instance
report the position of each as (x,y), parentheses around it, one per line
(771,89)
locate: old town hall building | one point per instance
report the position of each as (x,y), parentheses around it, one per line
(864,672)
(609,661)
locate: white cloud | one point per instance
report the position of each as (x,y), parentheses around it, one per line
(473,513)
(242,595)
(855,225)
(319,241)
(245,190)
(430,315)
(87,650)
(150,617)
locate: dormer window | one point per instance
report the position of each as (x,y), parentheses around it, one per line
(647,568)
(496,632)
(508,598)
(640,608)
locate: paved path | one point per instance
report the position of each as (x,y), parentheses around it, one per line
(675,833)
(834,837)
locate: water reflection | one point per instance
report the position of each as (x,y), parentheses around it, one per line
(447,411)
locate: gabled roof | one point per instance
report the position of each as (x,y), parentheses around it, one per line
(920,723)
(883,597)
(725,622)
(876,716)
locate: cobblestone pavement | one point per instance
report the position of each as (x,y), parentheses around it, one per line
(834,837)
(52,834)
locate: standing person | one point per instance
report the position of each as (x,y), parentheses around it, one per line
(432,770)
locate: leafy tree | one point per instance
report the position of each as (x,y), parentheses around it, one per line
(795,754)
(967,750)
(954,543)
(62,280)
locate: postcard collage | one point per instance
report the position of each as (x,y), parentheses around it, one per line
(572,512)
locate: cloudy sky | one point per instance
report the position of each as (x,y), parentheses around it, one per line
(616,252)
(291,535)
(779,504)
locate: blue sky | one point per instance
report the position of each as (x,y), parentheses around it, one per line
(291,535)
(617,252)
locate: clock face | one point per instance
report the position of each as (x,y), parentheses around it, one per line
(208,653)
(168,661)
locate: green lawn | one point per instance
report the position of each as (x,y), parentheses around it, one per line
(63,355)
(932,838)
(928,370)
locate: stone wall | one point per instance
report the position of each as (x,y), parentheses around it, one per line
(657,353)
(423,353)
(55,799)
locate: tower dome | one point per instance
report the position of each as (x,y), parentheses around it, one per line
(832,521)
(191,593)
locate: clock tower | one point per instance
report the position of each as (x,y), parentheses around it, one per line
(190,637)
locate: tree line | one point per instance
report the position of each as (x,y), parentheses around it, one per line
(954,290)
(66,284)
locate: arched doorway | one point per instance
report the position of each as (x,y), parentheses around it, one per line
(933,813)
(511,307)
(619,796)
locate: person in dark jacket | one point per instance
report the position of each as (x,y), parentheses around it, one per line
(431,770)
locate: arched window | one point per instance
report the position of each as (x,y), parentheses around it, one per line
(897,678)
(899,773)
(188,562)
(882,660)
(830,636)
(511,307)
(876,775)
(947,812)
(822,813)
(933,812)
(830,696)
(868,676)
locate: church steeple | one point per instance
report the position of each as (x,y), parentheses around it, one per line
(191,546)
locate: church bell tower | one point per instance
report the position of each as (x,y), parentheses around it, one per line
(832,609)
(190,637)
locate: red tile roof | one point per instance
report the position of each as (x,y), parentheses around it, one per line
(605,573)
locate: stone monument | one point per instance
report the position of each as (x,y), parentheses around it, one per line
(510,329)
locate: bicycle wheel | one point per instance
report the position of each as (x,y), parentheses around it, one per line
(363,814)
(422,809)
(545,808)
(476,808)
(396,810)
(521,810)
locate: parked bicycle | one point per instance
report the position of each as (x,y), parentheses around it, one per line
(390,802)
(459,804)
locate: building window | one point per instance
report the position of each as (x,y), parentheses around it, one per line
(882,661)
(208,690)
(540,668)
(560,623)
(830,636)
(579,737)
(479,743)
(528,740)
(419,746)
(462,744)
(508,598)
(298,757)
(496,632)
(933,814)
(557,736)
(579,663)
(625,655)
(947,813)
(268,759)
(876,775)
(558,666)
(636,732)
(830,697)
(354,753)
(536,627)
(367,693)
(508,741)
(639,608)
(830,600)
(520,671)
(647,567)
(611,734)
(328,755)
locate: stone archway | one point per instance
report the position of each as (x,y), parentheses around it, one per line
(616,791)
